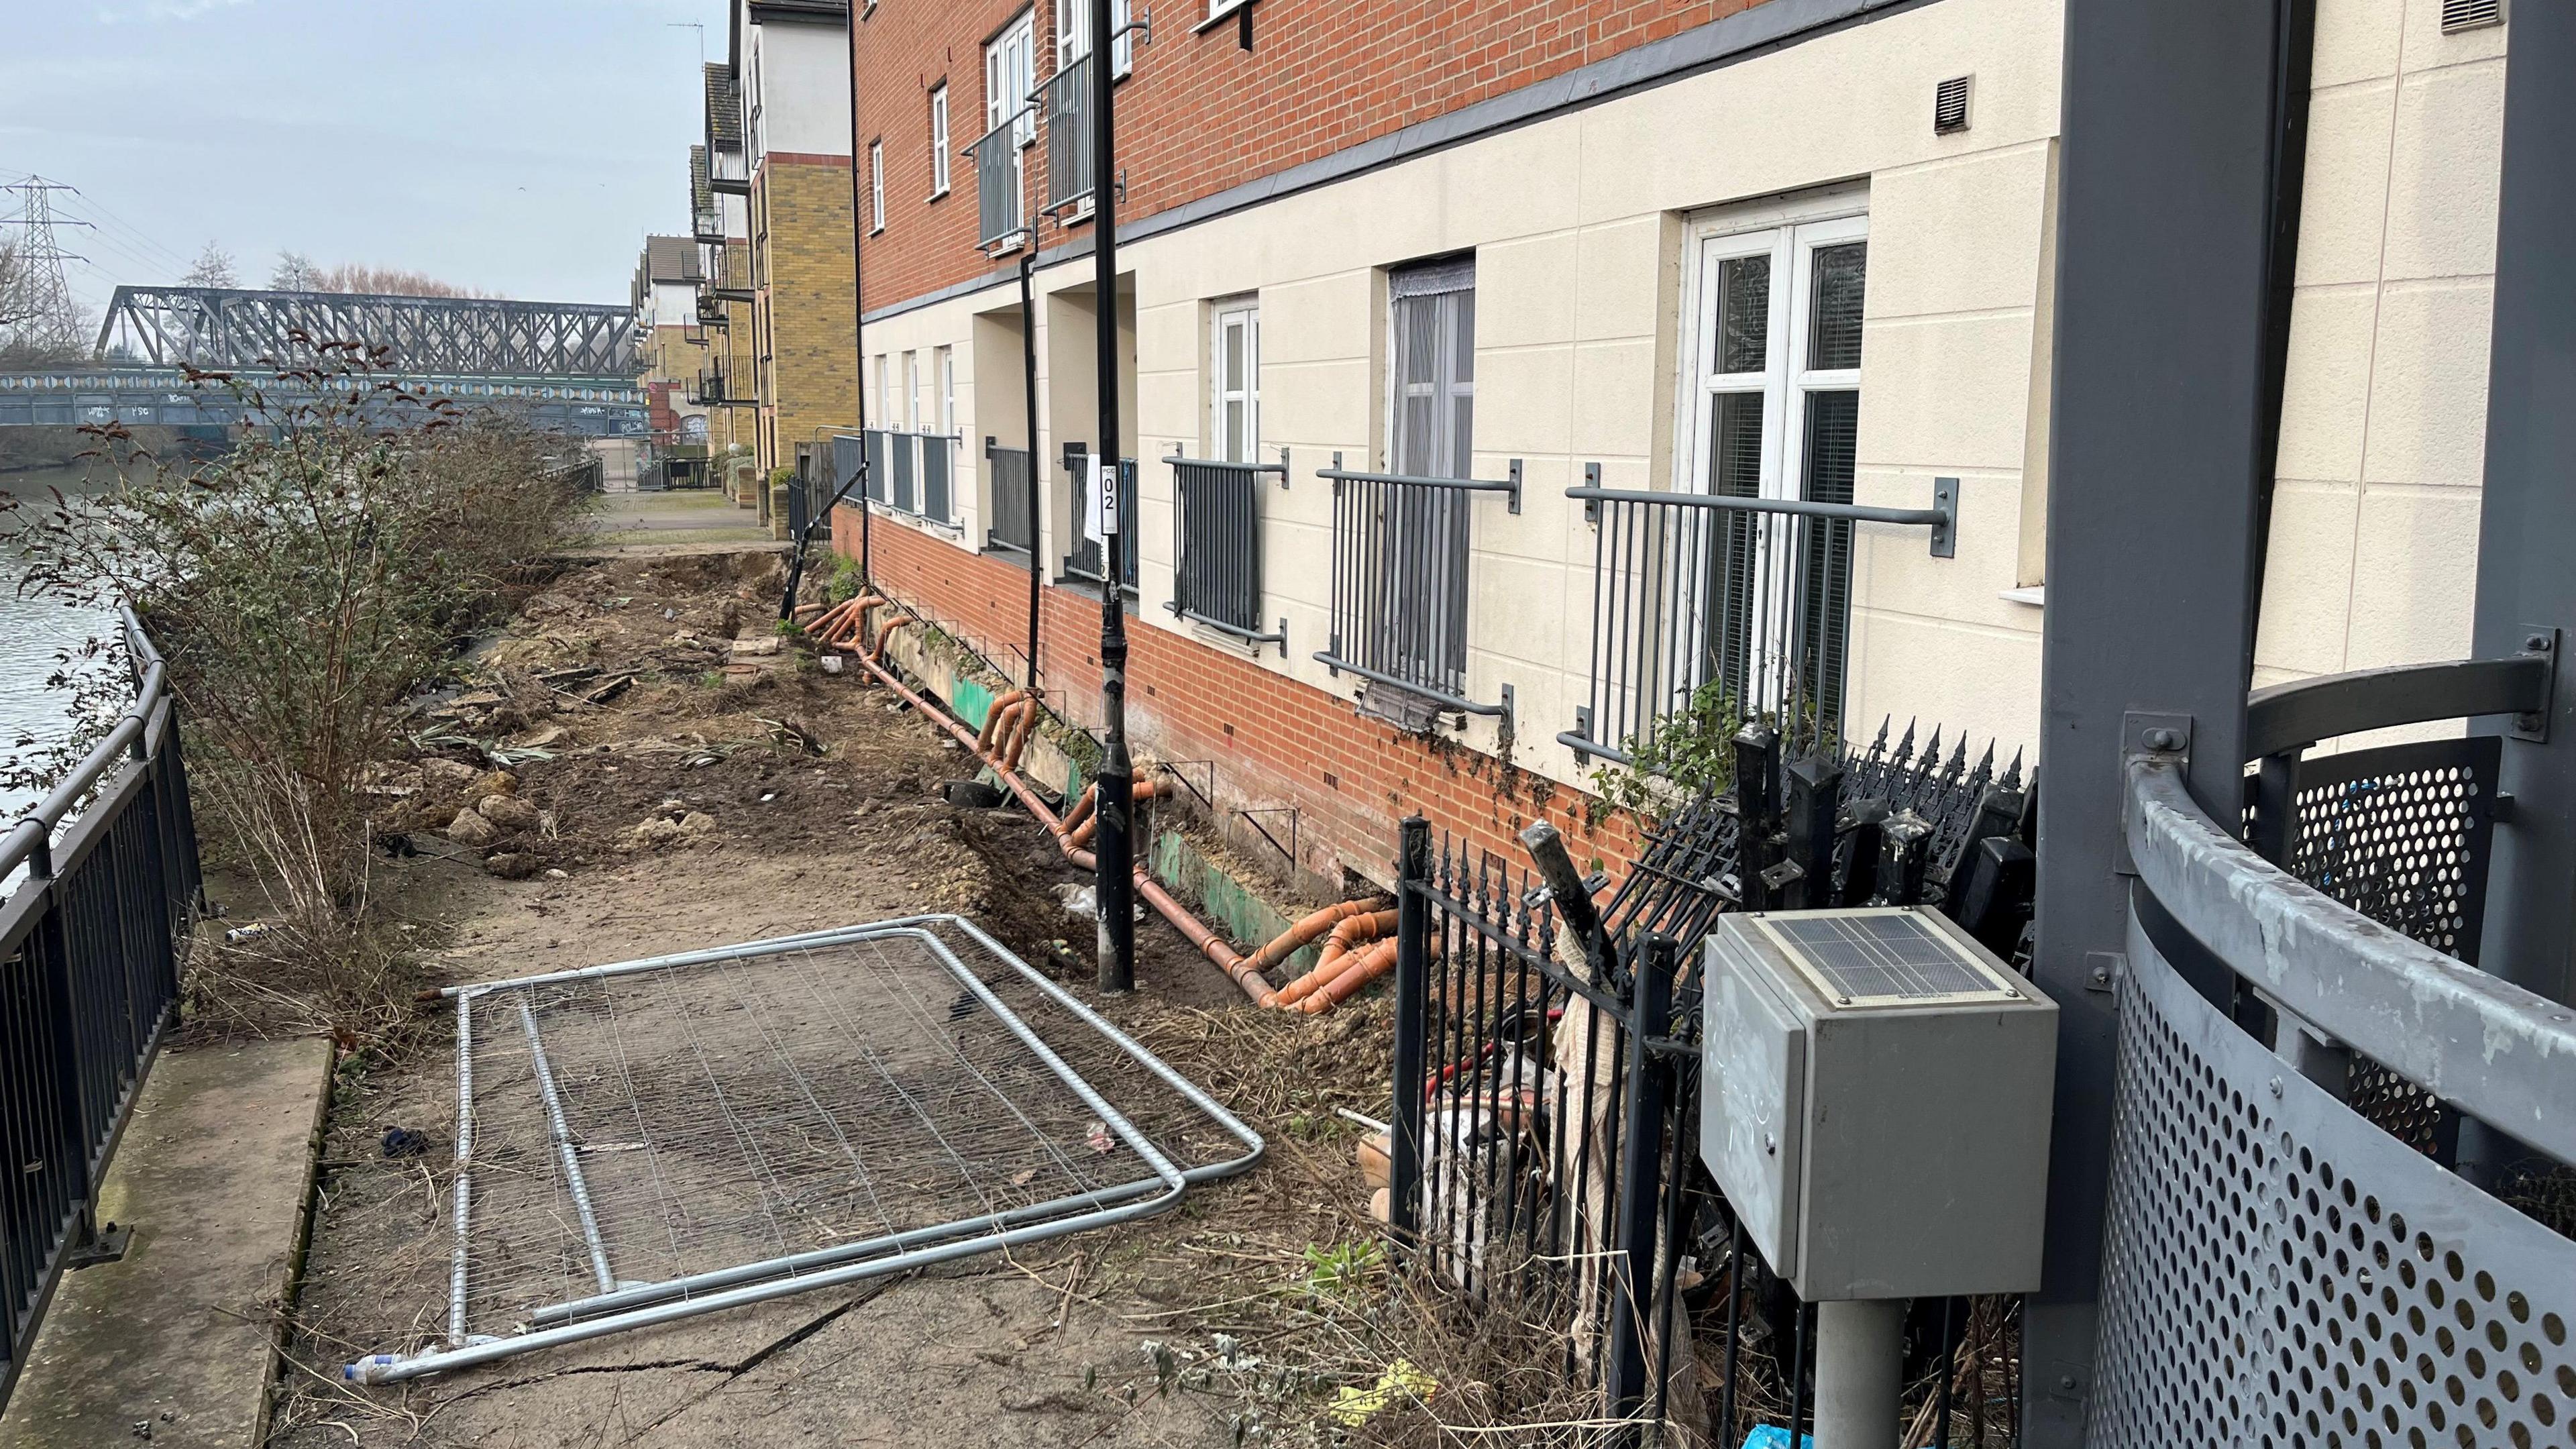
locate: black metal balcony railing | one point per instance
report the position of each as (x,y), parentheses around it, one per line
(1012,524)
(1217,524)
(711,313)
(2288,1041)
(1065,100)
(998,182)
(92,932)
(1083,561)
(1401,547)
(711,388)
(1749,595)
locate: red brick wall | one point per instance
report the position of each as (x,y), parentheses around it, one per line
(1199,114)
(1275,741)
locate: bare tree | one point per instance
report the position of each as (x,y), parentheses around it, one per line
(17,298)
(295,272)
(358,277)
(212,268)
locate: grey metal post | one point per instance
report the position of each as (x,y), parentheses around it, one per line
(2154,483)
(2528,524)
(1860,1380)
(1640,1185)
(1412,988)
(1115,844)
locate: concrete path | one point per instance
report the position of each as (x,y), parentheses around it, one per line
(175,1343)
(688,519)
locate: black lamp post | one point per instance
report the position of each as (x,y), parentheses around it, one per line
(1115,843)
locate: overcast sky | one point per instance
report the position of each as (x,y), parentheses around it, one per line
(515,146)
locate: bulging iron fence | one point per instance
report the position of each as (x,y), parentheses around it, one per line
(103,890)
(1544,1147)
(1401,547)
(1083,559)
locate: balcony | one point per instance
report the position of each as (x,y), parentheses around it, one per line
(1739,602)
(1084,560)
(1011,525)
(1218,545)
(1066,101)
(913,473)
(706,225)
(1401,548)
(998,182)
(710,389)
(728,173)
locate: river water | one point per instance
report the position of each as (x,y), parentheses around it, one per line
(33,632)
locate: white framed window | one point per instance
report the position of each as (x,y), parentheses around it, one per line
(1234,375)
(1216,8)
(1010,74)
(939,140)
(1073,35)
(945,360)
(1772,309)
(876,186)
(916,403)
(883,395)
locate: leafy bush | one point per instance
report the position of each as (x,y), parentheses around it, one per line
(301,587)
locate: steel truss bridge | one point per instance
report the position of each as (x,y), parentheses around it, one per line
(568,365)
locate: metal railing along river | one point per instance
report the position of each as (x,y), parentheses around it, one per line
(103,890)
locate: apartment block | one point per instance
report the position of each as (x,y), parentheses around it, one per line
(1475,362)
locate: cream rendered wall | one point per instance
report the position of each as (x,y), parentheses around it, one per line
(1576,226)
(804,86)
(2373,556)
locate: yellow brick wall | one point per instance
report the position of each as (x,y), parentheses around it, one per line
(812,380)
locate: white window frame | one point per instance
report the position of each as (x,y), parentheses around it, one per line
(1010,74)
(1226,315)
(1216,8)
(939,140)
(945,371)
(1073,36)
(1789,234)
(913,410)
(1396,386)
(876,187)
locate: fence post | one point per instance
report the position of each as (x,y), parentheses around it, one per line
(1815,797)
(1757,806)
(1640,1190)
(1412,990)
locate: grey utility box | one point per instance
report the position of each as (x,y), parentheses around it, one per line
(1875,1102)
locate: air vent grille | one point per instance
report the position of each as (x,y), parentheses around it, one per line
(2459,15)
(1950,106)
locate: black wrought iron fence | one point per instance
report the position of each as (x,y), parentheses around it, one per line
(1065,99)
(1217,528)
(1012,522)
(1401,551)
(92,934)
(1750,597)
(1545,1151)
(1083,560)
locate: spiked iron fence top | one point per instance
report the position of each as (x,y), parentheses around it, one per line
(218,328)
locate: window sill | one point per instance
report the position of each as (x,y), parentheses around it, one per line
(876,231)
(1220,17)
(940,195)
(2035,595)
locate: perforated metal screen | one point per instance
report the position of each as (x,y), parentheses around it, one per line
(2278,1272)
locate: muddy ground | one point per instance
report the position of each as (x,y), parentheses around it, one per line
(680,792)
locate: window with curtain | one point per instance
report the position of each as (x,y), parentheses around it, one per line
(1431,433)
(1234,398)
(1777,341)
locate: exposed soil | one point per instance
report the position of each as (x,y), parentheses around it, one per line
(721,795)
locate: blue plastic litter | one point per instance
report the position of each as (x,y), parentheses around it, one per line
(1772,1436)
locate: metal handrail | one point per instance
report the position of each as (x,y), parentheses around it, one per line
(1510,486)
(2302,712)
(1942,517)
(2485,1046)
(31,838)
